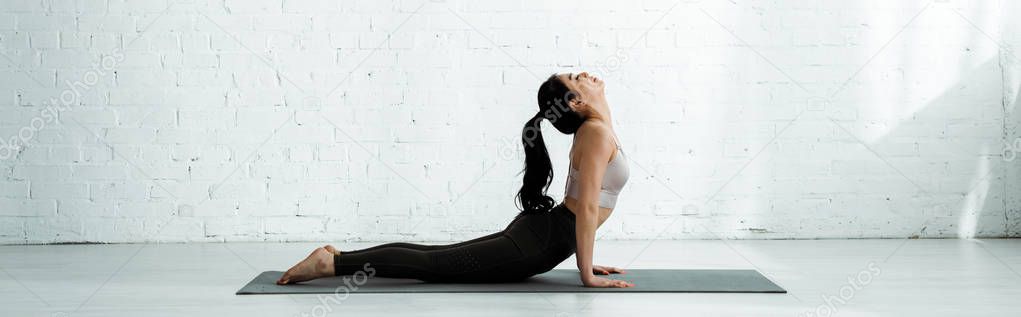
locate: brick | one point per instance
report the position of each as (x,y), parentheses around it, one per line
(28,208)
(233,227)
(45,40)
(40,190)
(42,172)
(98,24)
(96,172)
(13,189)
(46,23)
(24,6)
(130,7)
(129,135)
(254,6)
(11,227)
(306,225)
(129,191)
(75,40)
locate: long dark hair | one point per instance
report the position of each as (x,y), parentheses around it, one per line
(554,98)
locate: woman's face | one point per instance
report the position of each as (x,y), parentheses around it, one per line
(589,88)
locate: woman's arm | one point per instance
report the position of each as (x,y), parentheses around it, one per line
(593,143)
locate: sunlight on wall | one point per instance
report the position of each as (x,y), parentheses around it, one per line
(973,203)
(896,99)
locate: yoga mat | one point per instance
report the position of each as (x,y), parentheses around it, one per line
(555,281)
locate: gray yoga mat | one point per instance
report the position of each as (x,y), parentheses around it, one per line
(555,281)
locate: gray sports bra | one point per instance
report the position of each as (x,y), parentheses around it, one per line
(614,178)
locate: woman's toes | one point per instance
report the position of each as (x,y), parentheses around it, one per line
(285,278)
(331,249)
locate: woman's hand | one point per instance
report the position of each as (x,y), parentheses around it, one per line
(591,280)
(605,270)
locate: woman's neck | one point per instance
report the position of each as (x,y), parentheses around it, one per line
(600,112)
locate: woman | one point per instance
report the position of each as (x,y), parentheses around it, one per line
(542,235)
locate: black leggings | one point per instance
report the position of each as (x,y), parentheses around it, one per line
(531,244)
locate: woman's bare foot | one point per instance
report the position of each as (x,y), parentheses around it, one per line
(317,265)
(331,249)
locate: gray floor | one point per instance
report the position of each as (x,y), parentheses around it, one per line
(891,277)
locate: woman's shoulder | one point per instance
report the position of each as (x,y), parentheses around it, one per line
(593,129)
(592,135)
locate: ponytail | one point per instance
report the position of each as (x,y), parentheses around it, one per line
(553,98)
(538,169)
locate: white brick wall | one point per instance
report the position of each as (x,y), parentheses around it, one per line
(280,120)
